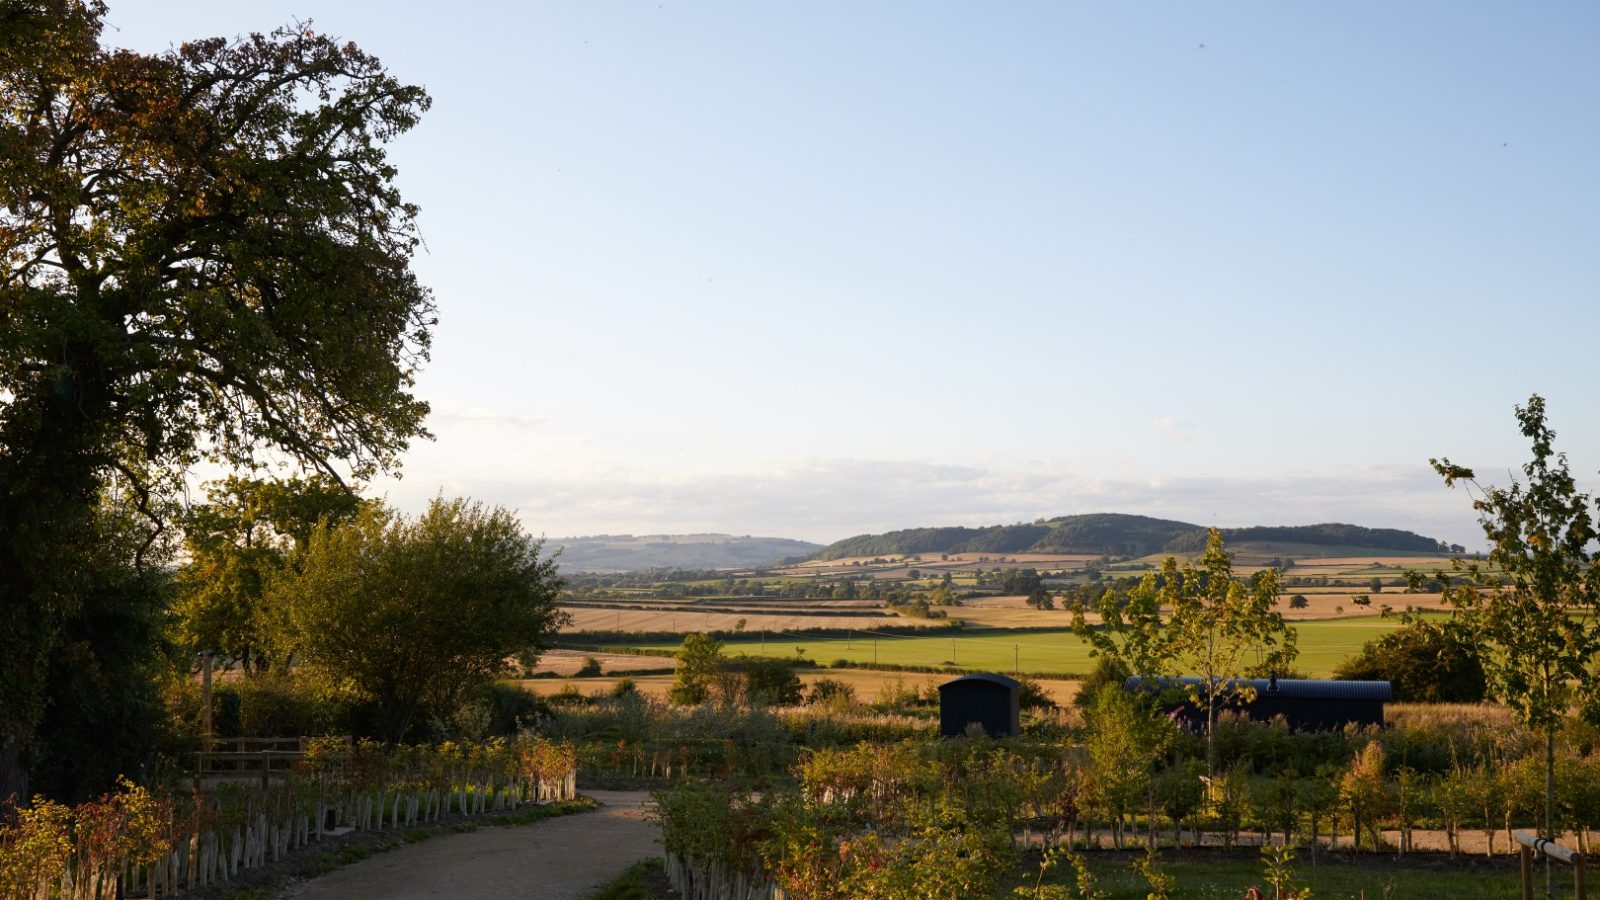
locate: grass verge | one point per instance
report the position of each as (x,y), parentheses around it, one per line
(644,880)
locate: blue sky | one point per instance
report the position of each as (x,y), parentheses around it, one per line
(827,268)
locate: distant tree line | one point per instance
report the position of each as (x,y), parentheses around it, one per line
(1327,534)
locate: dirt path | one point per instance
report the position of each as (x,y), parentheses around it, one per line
(557,859)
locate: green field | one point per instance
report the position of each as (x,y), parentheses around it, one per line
(1323,645)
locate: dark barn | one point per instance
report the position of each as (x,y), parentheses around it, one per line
(988,699)
(1306,704)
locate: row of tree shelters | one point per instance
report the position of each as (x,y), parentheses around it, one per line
(982,698)
(1306,704)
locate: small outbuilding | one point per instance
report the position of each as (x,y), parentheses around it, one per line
(982,698)
(1306,704)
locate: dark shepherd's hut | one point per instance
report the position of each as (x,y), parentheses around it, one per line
(1306,704)
(988,699)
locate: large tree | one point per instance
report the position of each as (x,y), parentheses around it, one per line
(415,613)
(249,530)
(1534,607)
(202,255)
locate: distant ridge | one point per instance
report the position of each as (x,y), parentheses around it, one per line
(1116,534)
(632,553)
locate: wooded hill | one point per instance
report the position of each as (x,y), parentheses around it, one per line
(1117,535)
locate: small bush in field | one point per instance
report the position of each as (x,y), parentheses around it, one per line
(831,692)
(1032,695)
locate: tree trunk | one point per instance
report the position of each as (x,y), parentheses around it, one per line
(13,774)
(1211,750)
(49,489)
(1315,823)
(1549,803)
(1151,800)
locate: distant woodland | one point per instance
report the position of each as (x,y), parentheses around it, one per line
(1113,534)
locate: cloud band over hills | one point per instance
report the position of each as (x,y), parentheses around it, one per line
(824,500)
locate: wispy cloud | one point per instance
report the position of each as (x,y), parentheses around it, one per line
(1177,432)
(490,418)
(828,499)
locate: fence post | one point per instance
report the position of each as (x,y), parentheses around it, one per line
(1527,872)
(1579,888)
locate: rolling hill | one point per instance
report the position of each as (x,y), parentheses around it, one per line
(632,553)
(1116,535)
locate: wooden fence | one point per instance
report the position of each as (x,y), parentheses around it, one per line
(260,759)
(141,844)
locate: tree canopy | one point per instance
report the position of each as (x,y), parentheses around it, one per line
(416,612)
(250,530)
(203,254)
(700,664)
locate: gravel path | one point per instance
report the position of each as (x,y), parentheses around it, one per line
(557,859)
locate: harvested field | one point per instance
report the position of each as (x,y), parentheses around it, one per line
(1011,612)
(689,620)
(649,685)
(1336,603)
(1386,566)
(869,684)
(567,662)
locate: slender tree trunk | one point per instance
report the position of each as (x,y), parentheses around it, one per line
(1315,828)
(1151,810)
(1211,750)
(1549,803)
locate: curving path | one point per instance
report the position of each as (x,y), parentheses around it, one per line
(557,859)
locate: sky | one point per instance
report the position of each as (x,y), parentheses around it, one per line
(819,269)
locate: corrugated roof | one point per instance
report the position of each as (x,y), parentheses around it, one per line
(989,677)
(1298,688)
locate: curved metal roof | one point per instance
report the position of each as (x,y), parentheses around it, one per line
(1298,688)
(985,677)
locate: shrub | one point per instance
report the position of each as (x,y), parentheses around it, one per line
(770,682)
(1424,664)
(510,708)
(831,692)
(1032,695)
(276,704)
(1108,672)
(590,668)
(568,696)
